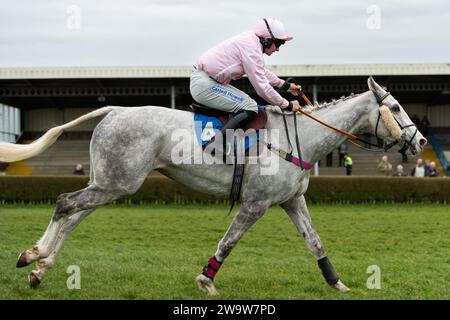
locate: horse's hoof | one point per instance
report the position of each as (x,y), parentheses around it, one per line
(22,260)
(340,287)
(34,280)
(206,285)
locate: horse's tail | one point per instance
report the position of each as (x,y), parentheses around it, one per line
(10,152)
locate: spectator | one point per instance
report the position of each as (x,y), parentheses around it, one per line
(78,170)
(342,151)
(399,172)
(433,172)
(419,169)
(348,164)
(384,166)
(427,168)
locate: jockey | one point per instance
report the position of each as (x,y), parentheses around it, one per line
(238,56)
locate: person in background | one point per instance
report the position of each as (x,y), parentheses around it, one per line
(384,166)
(419,169)
(342,151)
(427,168)
(348,164)
(78,170)
(432,171)
(399,172)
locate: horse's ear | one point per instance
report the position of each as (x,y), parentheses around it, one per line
(375,87)
(372,84)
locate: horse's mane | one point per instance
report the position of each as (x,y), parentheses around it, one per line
(317,107)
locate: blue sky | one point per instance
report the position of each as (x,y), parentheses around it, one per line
(170,32)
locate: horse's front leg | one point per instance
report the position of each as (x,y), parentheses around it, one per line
(248,214)
(298,212)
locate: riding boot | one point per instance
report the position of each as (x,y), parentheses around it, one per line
(237,120)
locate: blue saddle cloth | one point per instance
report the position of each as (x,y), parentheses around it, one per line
(206,127)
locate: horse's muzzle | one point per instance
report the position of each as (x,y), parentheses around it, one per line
(419,146)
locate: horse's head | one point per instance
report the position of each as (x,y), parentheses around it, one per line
(391,123)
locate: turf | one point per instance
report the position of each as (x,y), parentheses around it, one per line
(155,252)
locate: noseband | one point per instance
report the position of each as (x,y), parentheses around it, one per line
(407,143)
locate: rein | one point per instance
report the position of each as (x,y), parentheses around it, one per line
(352,138)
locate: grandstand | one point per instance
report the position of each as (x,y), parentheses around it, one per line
(51,96)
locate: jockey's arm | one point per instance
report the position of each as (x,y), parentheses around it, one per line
(274,81)
(262,79)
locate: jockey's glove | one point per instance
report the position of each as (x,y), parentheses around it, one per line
(292,88)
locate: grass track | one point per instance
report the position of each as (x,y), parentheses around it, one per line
(155,252)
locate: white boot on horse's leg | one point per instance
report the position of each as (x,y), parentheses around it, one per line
(206,285)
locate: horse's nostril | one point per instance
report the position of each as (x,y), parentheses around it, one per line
(423,142)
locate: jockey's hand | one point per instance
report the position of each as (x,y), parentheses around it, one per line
(295,89)
(296,106)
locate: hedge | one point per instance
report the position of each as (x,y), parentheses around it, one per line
(45,189)
(378,189)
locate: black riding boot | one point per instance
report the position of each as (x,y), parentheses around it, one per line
(237,120)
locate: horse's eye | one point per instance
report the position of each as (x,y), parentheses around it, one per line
(395,108)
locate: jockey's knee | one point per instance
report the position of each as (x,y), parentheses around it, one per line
(251,109)
(251,114)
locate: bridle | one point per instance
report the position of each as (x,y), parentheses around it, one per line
(407,143)
(351,137)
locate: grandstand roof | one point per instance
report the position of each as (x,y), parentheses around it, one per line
(318,70)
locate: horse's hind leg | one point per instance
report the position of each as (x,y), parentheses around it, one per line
(43,265)
(248,214)
(298,212)
(71,209)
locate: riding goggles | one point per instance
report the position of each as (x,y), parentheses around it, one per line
(278,42)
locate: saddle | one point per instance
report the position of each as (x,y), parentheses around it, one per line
(205,114)
(258,123)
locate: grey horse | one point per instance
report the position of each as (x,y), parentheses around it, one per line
(128,143)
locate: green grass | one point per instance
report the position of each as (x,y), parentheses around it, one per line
(155,252)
